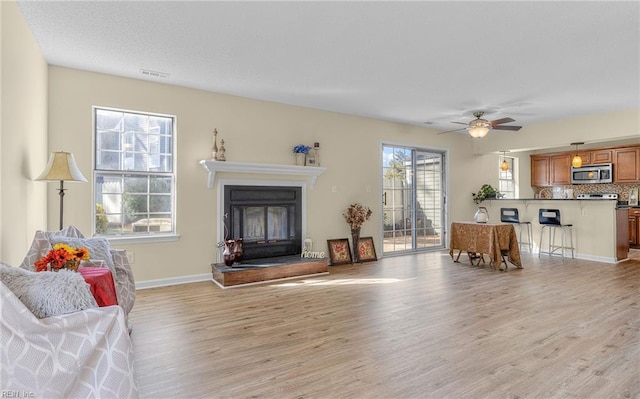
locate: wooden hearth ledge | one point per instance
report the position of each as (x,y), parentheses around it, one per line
(267,270)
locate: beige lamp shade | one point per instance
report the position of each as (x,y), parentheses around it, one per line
(62,167)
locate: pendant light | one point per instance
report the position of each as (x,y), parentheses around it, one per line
(504,166)
(576,162)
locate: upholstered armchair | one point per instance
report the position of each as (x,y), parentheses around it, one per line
(72,349)
(99,249)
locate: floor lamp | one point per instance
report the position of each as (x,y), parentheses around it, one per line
(61,167)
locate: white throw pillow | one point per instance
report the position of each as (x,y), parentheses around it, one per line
(48,294)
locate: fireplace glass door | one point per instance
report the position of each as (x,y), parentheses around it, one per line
(263,223)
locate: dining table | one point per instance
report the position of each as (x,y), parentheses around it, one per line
(498,241)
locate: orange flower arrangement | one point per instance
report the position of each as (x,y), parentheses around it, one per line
(60,257)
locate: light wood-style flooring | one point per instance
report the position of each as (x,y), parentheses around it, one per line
(417,326)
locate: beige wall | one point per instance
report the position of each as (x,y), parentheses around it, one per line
(23,138)
(254,131)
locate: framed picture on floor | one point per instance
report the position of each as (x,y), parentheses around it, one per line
(366,249)
(339,251)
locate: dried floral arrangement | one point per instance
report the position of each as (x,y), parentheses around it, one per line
(356,214)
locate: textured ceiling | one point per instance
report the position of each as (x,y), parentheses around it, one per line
(408,62)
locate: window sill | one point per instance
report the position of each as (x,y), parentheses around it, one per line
(148,239)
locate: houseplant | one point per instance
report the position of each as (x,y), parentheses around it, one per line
(486,192)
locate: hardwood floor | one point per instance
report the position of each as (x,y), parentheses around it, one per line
(416,326)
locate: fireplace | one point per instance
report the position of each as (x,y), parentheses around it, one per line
(267,218)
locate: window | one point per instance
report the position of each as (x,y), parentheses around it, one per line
(506,180)
(134,173)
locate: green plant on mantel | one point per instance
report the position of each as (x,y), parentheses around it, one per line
(486,191)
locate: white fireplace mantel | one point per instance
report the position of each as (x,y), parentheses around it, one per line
(245,167)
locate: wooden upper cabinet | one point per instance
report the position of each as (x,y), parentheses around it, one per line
(560,169)
(601,156)
(594,157)
(626,165)
(584,155)
(539,170)
(554,169)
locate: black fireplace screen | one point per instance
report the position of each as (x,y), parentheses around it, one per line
(268,219)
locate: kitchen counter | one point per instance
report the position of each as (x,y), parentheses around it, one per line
(618,206)
(595,223)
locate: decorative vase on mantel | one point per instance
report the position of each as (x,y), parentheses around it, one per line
(300,158)
(355,239)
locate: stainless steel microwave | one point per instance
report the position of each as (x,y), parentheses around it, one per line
(590,174)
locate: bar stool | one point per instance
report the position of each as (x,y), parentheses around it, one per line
(551,218)
(510,215)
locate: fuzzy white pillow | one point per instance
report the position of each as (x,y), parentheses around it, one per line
(48,294)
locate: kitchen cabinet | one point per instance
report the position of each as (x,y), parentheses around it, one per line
(626,165)
(584,155)
(560,169)
(554,169)
(539,170)
(622,234)
(551,170)
(600,156)
(634,226)
(594,157)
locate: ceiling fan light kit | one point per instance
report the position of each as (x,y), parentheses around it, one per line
(479,127)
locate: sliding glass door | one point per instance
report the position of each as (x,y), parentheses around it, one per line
(412,199)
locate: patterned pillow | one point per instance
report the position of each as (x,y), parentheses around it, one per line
(41,244)
(48,294)
(98,248)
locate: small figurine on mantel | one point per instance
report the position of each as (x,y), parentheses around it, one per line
(214,150)
(221,151)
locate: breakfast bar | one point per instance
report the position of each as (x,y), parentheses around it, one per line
(596,224)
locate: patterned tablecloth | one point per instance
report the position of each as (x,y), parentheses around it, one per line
(101,285)
(486,238)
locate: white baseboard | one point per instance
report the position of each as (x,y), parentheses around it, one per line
(602,259)
(163,282)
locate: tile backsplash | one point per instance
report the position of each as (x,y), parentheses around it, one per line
(557,191)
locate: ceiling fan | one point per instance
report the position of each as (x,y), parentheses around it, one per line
(479,127)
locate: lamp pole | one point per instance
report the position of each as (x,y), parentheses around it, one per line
(61,193)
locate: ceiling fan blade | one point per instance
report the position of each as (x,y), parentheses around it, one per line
(461,123)
(512,128)
(454,130)
(501,121)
